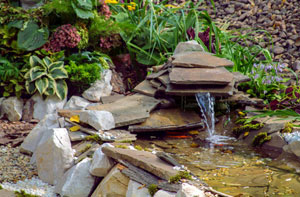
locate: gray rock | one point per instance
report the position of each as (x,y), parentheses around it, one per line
(100,120)
(101,164)
(188,46)
(33,138)
(162,193)
(294,147)
(76,103)
(187,190)
(29,4)
(278,50)
(48,106)
(1,100)
(77,181)
(54,155)
(136,190)
(296,65)
(12,107)
(230,10)
(100,88)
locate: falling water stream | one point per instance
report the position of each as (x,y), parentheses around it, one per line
(206,103)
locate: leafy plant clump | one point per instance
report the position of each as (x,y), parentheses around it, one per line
(237,131)
(46,77)
(288,128)
(261,138)
(95,138)
(22,193)
(152,189)
(180,175)
(1,187)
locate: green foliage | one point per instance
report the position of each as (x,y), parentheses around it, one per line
(84,35)
(46,77)
(94,138)
(288,128)
(83,8)
(22,193)
(261,138)
(152,189)
(237,131)
(31,36)
(180,175)
(1,187)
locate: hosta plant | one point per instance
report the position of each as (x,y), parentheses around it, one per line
(46,77)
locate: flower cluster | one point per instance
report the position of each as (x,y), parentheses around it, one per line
(65,36)
(108,43)
(132,6)
(105,11)
(111,1)
(268,74)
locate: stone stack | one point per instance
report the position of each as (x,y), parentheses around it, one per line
(189,73)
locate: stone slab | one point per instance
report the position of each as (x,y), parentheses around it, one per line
(240,78)
(111,99)
(77,136)
(130,109)
(194,76)
(145,88)
(164,79)
(142,159)
(215,90)
(157,74)
(155,83)
(168,119)
(200,60)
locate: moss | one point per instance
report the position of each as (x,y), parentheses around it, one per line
(152,189)
(122,146)
(22,193)
(1,187)
(261,138)
(237,131)
(288,128)
(180,175)
(88,146)
(126,141)
(138,147)
(95,138)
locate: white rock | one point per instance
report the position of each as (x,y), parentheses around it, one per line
(54,155)
(188,46)
(163,193)
(101,164)
(295,148)
(33,138)
(12,107)
(77,181)
(1,100)
(100,120)
(76,103)
(136,190)
(187,190)
(99,88)
(48,106)
(114,184)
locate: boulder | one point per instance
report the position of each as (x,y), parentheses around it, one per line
(294,147)
(101,164)
(100,120)
(275,145)
(187,190)
(136,190)
(29,4)
(48,106)
(54,155)
(32,140)
(76,102)
(12,107)
(99,88)
(77,181)
(162,193)
(114,184)
(188,46)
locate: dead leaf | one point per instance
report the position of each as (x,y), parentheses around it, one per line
(75,128)
(75,118)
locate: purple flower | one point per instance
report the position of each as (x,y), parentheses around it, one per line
(262,66)
(191,33)
(255,65)
(269,67)
(278,79)
(256,76)
(268,81)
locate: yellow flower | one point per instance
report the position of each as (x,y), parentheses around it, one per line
(132,6)
(171,6)
(111,1)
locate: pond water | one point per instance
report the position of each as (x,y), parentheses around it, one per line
(232,168)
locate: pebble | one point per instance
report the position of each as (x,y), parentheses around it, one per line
(278,50)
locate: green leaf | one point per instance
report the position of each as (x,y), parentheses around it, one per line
(58,64)
(84,4)
(47,61)
(41,84)
(61,89)
(36,73)
(16,23)
(6,94)
(51,87)
(59,73)
(81,13)
(30,87)
(31,37)
(35,61)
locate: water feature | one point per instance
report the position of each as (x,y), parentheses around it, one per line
(206,103)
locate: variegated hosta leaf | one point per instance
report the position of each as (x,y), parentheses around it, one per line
(41,84)
(59,73)
(47,61)
(51,87)
(27,75)
(61,89)
(35,60)
(30,87)
(58,64)
(36,73)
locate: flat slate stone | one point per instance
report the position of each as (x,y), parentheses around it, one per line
(145,88)
(156,83)
(200,60)
(157,74)
(196,76)
(164,79)
(111,99)
(240,78)
(190,90)
(142,159)
(168,120)
(130,109)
